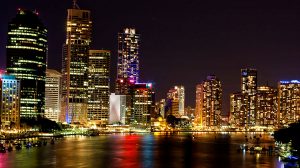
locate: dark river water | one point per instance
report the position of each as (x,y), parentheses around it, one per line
(203,150)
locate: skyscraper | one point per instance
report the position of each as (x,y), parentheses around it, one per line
(249,89)
(9,101)
(210,101)
(175,98)
(143,103)
(199,99)
(99,88)
(26,60)
(128,60)
(75,65)
(53,95)
(266,106)
(288,102)
(238,109)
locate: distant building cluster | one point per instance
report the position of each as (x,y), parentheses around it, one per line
(81,92)
(263,105)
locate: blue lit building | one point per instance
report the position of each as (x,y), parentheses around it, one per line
(9,101)
(26,60)
(128,59)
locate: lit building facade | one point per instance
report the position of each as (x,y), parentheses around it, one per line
(53,95)
(199,99)
(143,103)
(161,107)
(266,106)
(288,102)
(249,89)
(117,109)
(99,88)
(238,109)
(26,60)
(128,59)
(75,65)
(9,101)
(210,101)
(176,97)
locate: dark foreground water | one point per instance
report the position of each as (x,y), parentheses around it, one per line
(205,150)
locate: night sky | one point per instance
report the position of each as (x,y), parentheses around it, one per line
(183,41)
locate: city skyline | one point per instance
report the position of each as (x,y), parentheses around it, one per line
(216,35)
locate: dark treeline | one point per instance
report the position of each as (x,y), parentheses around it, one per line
(290,134)
(40,123)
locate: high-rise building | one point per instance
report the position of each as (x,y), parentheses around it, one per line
(99,88)
(210,100)
(142,103)
(175,98)
(75,65)
(128,60)
(266,106)
(238,109)
(288,102)
(117,109)
(53,95)
(26,60)
(199,99)
(249,89)
(161,108)
(9,101)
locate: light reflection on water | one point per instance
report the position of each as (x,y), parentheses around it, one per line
(204,150)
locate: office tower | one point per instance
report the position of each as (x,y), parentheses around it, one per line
(249,89)
(75,65)
(117,108)
(288,102)
(26,60)
(161,108)
(143,103)
(266,106)
(199,99)
(238,109)
(210,100)
(128,60)
(181,97)
(9,101)
(175,98)
(98,89)
(53,95)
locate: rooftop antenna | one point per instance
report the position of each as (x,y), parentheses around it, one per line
(75,5)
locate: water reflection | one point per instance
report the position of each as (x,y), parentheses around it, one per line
(205,150)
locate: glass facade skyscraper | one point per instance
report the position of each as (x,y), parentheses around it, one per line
(128,60)
(9,101)
(143,103)
(75,65)
(99,88)
(26,60)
